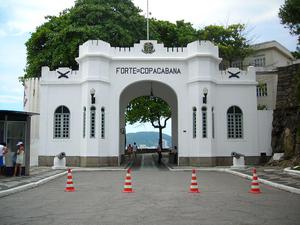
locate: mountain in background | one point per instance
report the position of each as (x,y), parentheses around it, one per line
(148,139)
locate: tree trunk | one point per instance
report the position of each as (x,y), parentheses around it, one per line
(160,137)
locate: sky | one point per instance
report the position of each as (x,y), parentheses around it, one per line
(18,18)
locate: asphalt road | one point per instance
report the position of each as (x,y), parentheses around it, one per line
(161,197)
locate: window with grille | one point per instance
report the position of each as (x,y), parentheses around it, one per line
(93,122)
(194,122)
(204,122)
(62,122)
(260,62)
(102,123)
(84,122)
(237,64)
(262,90)
(234,122)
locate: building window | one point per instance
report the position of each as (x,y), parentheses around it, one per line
(260,62)
(261,90)
(93,121)
(234,122)
(237,64)
(102,123)
(62,122)
(194,122)
(204,122)
(84,122)
(212,122)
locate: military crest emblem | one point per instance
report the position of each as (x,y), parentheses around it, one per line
(148,48)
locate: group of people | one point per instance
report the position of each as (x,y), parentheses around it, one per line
(132,150)
(17,161)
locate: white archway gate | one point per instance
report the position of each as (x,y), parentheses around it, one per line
(144,88)
(188,79)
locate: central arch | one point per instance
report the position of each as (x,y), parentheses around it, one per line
(143,88)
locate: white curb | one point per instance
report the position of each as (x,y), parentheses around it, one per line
(30,185)
(81,169)
(47,179)
(293,172)
(263,181)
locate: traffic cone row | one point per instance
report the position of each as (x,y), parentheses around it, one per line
(193,187)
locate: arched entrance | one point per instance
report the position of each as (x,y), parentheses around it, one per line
(144,88)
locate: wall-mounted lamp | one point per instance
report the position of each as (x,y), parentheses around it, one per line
(151,91)
(204,98)
(122,130)
(93,98)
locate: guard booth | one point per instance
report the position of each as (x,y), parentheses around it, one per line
(15,127)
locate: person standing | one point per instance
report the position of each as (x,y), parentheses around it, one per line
(129,151)
(20,158)
(3,151)
(134,149)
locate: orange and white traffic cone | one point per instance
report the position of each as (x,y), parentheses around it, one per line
(194,185)
(254,184)
(69,185)
(127,183)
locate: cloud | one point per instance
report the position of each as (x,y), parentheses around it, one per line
(11,92)
(25,16)
(205,12)
(10,99)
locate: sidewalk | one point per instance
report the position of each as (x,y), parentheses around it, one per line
(38,176)
(273,176)
(276,175)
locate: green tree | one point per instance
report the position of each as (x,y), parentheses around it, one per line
(118,22)
(55,43)
(289,14)
(149,109)
(232,42)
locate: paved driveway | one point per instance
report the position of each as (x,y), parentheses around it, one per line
(161,197)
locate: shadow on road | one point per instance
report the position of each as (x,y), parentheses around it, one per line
(145,160)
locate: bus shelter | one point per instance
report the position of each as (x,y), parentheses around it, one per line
(15,127)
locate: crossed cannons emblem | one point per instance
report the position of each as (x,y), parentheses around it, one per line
(63,75)
(234,74)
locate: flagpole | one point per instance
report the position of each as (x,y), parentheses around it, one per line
(147,20)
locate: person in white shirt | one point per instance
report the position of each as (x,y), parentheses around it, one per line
(20,158)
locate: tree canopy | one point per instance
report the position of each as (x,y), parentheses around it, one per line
(55,43)
(149,109)
(120,23)
(289,14)
(232,42)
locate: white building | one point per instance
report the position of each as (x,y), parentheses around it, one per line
(213,112)
(266,58)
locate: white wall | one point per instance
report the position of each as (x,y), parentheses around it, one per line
(31,104)
(244,98)
(98,65)
(264,128)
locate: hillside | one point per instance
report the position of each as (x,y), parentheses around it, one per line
(149,139)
